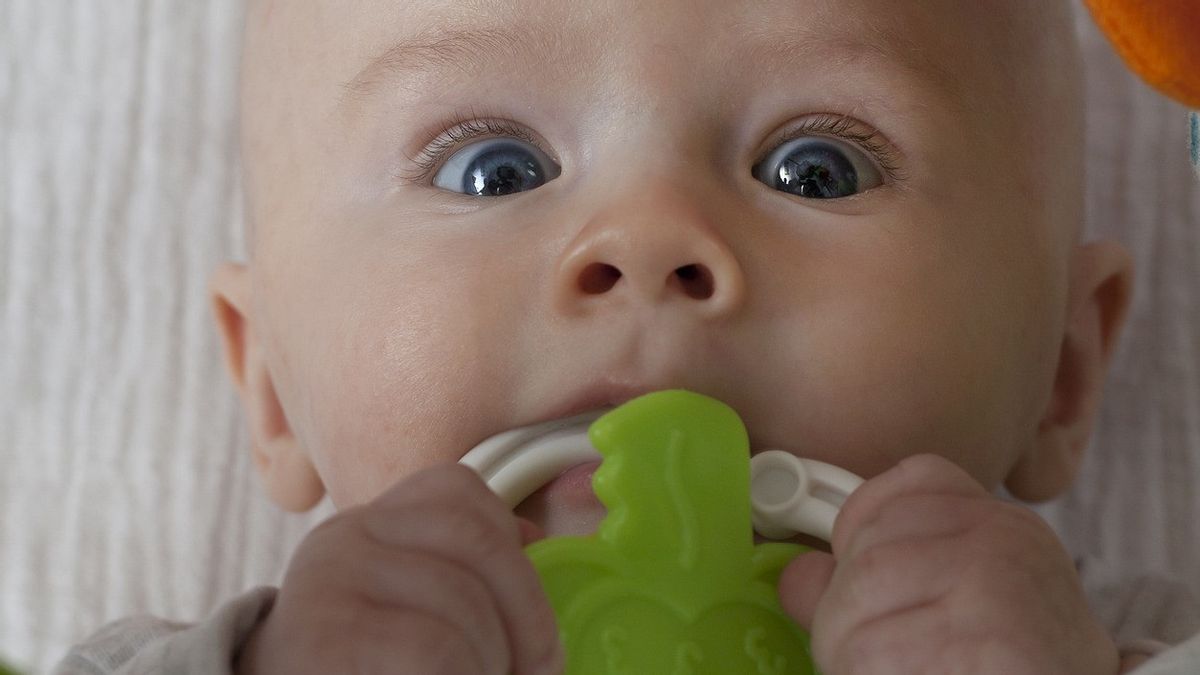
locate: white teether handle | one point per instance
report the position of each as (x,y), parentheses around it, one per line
(789,494)
(514,464)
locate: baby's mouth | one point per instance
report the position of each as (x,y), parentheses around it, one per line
(567,505)
(544,472)
(519,462)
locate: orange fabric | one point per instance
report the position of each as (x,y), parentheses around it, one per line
(1159,39)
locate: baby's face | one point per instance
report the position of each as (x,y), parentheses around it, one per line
(851,221)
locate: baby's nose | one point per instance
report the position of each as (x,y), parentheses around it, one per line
(658,249)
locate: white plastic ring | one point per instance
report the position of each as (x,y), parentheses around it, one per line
(515,463)
(787,494)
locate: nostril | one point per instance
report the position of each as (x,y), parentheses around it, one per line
(697,281)
(598,278)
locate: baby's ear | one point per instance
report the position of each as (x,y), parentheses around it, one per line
(1098,301)
(284,466)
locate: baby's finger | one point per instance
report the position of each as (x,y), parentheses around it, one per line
(919,643)
(919,474)
(803,583)
(424,589)
(885,584)
(917,516)
(450,512)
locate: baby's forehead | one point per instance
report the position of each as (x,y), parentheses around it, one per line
(936,49)
(937,39)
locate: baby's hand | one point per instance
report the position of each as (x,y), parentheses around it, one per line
(934,575)
(428,578)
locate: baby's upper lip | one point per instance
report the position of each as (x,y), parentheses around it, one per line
(607,393)
(600,394)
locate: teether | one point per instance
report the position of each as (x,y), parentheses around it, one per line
(516,463)
(672,581)
(788,494)
(791,495)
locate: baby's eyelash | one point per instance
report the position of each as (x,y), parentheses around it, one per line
(470,126)
(460,129)
(847,128)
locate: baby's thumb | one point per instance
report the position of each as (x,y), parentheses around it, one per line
(802,584)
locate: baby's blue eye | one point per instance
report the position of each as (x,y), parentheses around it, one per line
(496,167)
(817,167)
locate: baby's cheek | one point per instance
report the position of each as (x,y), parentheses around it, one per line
(920,373)
(385,399)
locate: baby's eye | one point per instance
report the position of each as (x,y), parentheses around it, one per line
(818,167)
(496,167)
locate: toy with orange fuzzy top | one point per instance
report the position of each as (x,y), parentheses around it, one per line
(1160,41)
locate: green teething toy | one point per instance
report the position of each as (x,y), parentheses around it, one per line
(672,582)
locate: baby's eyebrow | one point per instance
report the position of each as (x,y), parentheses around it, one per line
(470,49)
(481,49)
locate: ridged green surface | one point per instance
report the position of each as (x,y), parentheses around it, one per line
(672,581)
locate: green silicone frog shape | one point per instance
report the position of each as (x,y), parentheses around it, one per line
(672,583)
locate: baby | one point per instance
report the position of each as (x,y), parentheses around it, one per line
(855,222)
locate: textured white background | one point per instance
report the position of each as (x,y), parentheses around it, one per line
(125,483)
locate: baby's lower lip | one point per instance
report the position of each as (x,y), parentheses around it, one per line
(566,506)
(572,487)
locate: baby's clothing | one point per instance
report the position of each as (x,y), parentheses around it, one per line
(145,645)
